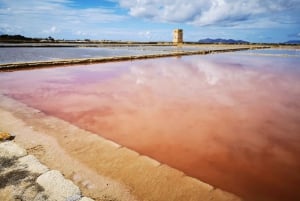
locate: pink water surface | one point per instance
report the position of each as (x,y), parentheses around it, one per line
(232,121)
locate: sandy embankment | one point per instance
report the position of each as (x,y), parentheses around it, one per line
(102,169)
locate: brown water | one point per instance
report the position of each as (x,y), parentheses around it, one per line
(232,121)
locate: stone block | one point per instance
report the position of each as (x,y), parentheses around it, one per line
(32,164)
(11,150)
(57,187)
(86,199)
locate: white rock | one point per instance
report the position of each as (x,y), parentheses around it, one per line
(32,164)
(86,199)
(56,186)
(74,198)
(11,150)
(41,197)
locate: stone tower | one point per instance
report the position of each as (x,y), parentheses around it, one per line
(177,36)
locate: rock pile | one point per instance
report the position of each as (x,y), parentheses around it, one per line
(24,178)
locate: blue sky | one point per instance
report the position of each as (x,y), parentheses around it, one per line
(152,20)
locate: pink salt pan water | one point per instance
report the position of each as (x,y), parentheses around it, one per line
(229,120)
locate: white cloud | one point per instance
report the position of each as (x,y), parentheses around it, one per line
(73,19)
(203,12)
(52,30)
(80,33)
(44,17)
(145,34)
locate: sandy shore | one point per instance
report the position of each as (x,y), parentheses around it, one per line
(44,140)
(102,169)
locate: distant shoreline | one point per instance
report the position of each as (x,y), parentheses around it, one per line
(8,44)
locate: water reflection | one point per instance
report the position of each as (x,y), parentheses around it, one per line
(230,120)
(30,54)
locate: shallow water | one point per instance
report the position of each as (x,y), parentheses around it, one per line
(273,52)
(27,54)
(230,120)
(30,54)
